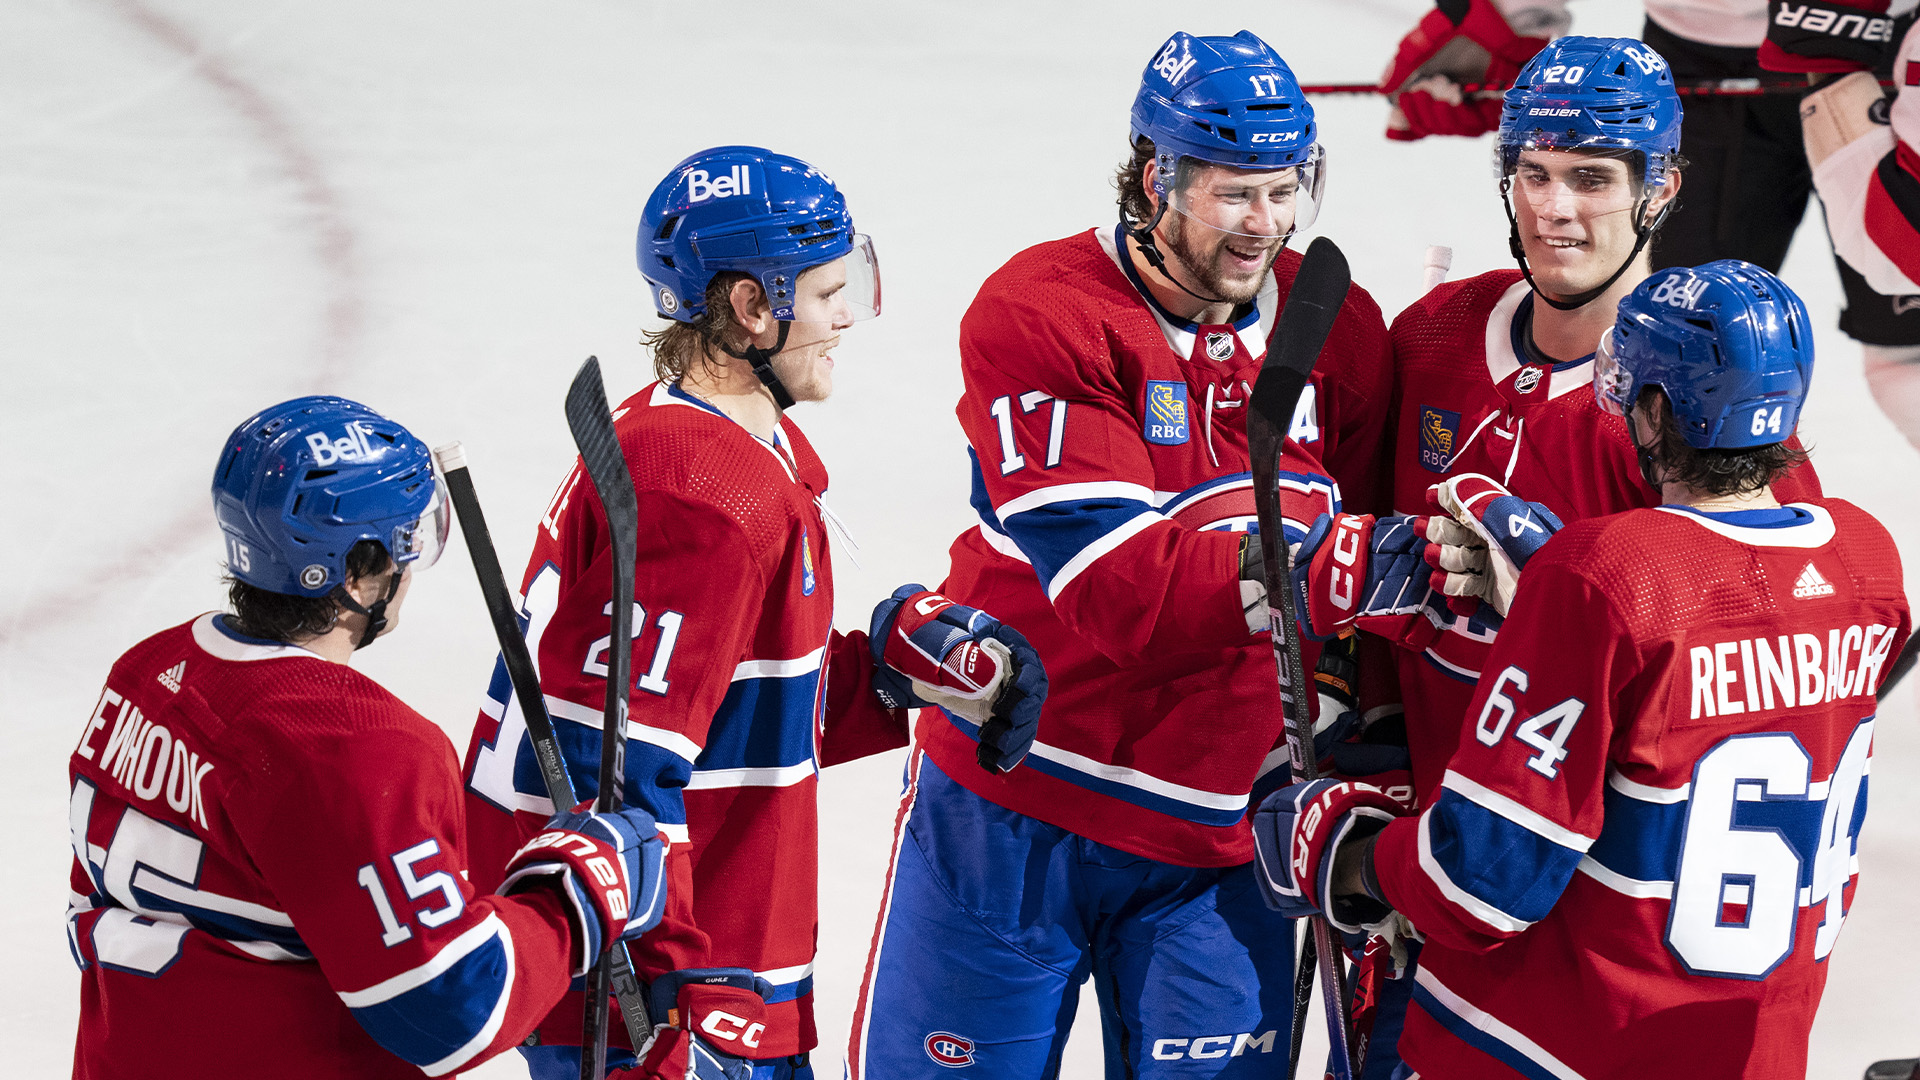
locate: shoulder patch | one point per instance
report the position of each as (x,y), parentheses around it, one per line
(1166,421)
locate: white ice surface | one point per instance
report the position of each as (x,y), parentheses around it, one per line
(207,207)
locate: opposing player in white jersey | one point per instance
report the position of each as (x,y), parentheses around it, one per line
(1748,154)
(270,871)
(1638,863)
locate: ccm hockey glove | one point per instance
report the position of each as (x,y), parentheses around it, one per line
(707,1025)
(1353,565)
(1462,41)
(608,868)
(1297,833)
(1489,534)
(929,650)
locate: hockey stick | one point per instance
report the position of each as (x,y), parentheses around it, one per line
(592,425)
(1688,88)
(452,461)
(1901,665)
(1313,303)
(1903,1069)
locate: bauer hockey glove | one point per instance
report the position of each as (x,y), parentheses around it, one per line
(929,650)
(707,1025)
(1352,566)
(1297,834)
(1827,36)
(1488,535)
(1462,41)
(608,868)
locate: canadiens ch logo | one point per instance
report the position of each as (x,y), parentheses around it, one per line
(1166,421)
(1439,430)
(1220,346)
(949,1050)
(806,564)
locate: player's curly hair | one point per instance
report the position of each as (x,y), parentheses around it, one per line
(1130,180)
(1715,472)
(677,346)
(290,619)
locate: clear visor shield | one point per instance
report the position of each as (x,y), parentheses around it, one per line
(1571,181)
(420,542)
(1611,382)
(1266,205)
(844,291)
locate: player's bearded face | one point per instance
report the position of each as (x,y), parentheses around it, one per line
(1228,226)
(1576,217)
(820,313)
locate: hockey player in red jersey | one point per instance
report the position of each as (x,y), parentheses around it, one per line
(743,690)
(1107,378)
(270,854)
(1639,861)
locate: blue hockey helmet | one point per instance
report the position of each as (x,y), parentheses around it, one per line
(300,483)
(1728,342)
(1591,93)
(1228,101)
(746,209)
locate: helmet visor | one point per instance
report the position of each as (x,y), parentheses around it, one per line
(1264,205)
(843,291)
(1611,383)
(420,542)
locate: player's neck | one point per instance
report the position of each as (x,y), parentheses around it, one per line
(737,392)
(338,643)
(1569,335)
(1170,296)
(1674,494)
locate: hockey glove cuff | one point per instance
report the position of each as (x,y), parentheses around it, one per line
(608,867)
(1821,36)
(1297,833)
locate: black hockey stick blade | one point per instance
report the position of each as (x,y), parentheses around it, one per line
(1901,665)
(1319,288)
(521,673)
(1903,1069)
(592,425)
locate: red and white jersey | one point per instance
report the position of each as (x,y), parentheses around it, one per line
(1468,399)
(1871,185)
(742,690)
(1112,481)
(1643,850)
(270,876)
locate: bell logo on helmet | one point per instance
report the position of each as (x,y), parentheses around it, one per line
(354,447)
(700,187)
(1647,61)
(313,576)
(1678,292)
(1169,64)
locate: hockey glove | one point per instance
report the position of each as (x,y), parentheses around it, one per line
(929,650)
(1825,36)
(708,1023)
(1351,566)
(609,869)
(1478,554)
(1369,747)
(1297,833)
(1459,41)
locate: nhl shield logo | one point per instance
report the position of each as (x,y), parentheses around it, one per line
(1439,431)
(1166,420)
(1219,346)
(949,1050)
(1527,379)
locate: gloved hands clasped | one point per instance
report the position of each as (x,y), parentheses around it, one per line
(929,650)
(1301,832)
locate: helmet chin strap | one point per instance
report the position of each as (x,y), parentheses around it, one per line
(1143,235)
(377,614)
(762,361)
(1644,455)
(1641,235)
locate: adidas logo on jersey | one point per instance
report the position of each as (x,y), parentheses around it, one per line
(1810,584)
(171,677)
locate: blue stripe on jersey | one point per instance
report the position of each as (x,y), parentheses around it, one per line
(1172,506)
(763,723)
(791,991)
(982,503)
(1114,789)
(1640,839)
(1484,1041)
(429,1022)
(1051,535)
(1500,862)
(654,775)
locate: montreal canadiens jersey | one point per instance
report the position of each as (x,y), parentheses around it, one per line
(1469,399)
(742,690)
(270,878)
(1644,848)
(1111,476)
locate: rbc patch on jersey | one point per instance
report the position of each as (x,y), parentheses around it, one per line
(806,564)
(1439,431)
(1166,421)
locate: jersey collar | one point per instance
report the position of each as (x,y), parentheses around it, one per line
(1505,347)
(1809,527)
(217,638)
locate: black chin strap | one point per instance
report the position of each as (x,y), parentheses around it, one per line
(1642,234)
(1143,235)
(1644,454)
(377,614)
(762,361)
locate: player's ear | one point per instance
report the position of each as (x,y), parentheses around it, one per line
(1147,176)
(751,312)
(1667,193)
